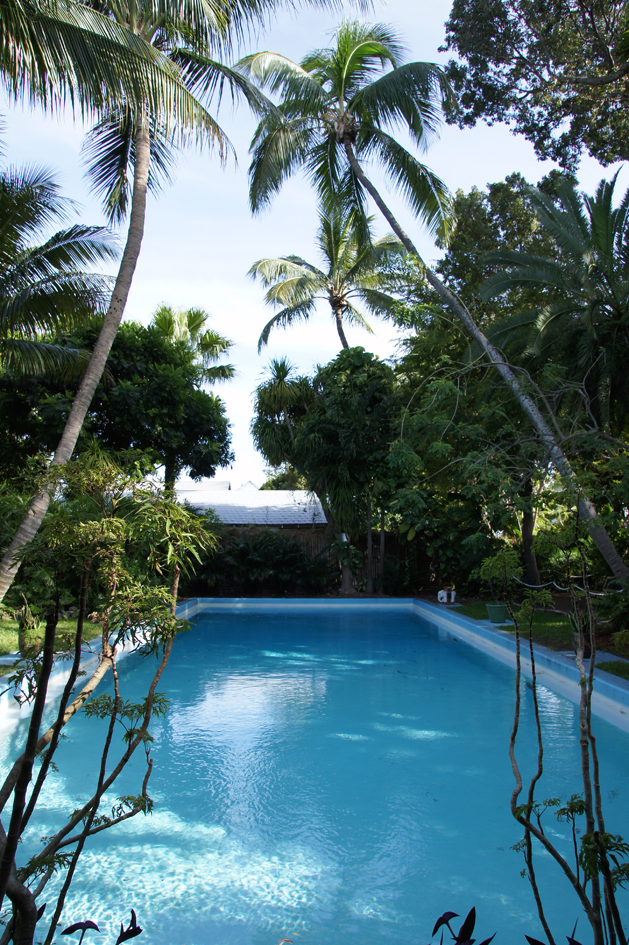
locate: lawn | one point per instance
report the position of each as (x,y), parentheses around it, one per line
(65,630)
(549,629)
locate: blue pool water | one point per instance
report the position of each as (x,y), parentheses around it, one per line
(328,779)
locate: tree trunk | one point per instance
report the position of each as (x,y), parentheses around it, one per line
(339,328)
(94,371)
(23,779)
(587,510)
(381,555)
(369,585)
(531,571)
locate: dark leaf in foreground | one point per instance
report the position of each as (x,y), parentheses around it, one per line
(133,930)
(465,932)
(488,940)
(443,920)
(80,927)
(40,912)
(533,941)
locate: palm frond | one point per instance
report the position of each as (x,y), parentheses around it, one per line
(422,189)
(279,148)
(410,95)
(285,318)
(27,358)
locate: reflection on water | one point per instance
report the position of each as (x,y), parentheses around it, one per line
(332,778)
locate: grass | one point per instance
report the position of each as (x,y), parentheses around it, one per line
(549,629)
(65,630)
(616,667)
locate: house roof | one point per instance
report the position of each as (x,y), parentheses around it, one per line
(257,507)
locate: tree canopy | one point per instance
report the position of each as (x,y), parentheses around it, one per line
(557,73)
(152,401)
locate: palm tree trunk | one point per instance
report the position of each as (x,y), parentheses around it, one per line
(587,510)
(339,327)
(94,371)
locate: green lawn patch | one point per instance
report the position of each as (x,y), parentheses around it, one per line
(549,629)
(65,634)
(616,667)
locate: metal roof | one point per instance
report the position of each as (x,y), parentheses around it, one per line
(258,507)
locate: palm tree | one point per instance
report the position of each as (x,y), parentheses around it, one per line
(189,327)
(335,112)
(56,54)
(133,142)
(352,271)
(280,394)
(43,288)
(585,324)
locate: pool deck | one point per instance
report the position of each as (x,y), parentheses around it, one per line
(555,670)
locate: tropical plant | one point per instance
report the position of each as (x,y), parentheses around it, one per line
(73,53)
(332,116)
(281,399)
(584,325)
(125,545)
(190,328)
(133,142)
(352,270)
(43,286)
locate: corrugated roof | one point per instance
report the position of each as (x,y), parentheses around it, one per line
(272,507)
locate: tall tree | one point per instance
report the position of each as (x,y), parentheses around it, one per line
(333,114)
(557,74)
(352,271)
(153,401)
(133,143)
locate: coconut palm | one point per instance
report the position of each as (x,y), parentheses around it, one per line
(336,109)
(57,54)
(189,327)
(43,287)
(352,271)
(133,143)
(585,325)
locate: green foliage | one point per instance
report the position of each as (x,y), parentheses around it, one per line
(153,401)
(285,478)
(578,332)
(343,440)
(556,74)
(267,559)
(44,287)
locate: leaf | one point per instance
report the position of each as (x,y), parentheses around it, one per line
(465,932)
(40,912)
(80,927)
(444,920)
(133,930)
(533,941)
(488,940)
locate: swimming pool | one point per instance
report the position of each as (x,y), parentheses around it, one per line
(340,776)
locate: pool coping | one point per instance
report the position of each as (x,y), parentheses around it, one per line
(557,671)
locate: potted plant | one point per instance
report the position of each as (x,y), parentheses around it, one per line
(498,573)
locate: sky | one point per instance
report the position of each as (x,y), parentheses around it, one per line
(201,239)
